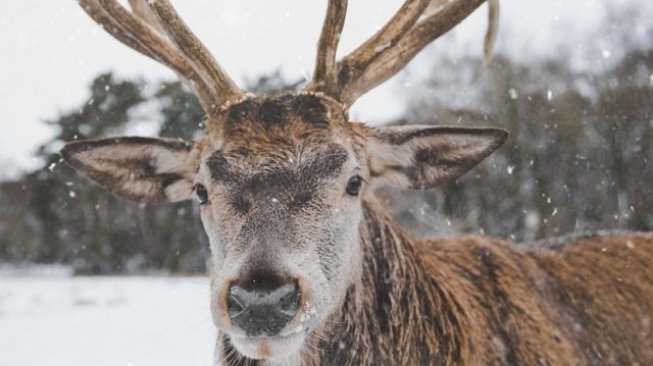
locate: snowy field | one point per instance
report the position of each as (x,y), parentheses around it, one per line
(105,321)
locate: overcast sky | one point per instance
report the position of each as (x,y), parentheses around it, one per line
(50,50)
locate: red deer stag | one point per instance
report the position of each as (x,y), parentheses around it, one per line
(309,268)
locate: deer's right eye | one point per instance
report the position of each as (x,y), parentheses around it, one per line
(202,194)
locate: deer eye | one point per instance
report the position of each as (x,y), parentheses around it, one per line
(354,185)
(202,194)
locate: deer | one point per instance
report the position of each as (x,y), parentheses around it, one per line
(307,264)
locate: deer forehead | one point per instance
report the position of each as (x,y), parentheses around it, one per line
(286,115)
(304,136)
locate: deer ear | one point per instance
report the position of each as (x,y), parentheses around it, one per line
(423,157)
(141,169)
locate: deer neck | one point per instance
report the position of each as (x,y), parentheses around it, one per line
(396,313)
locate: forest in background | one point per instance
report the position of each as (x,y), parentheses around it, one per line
(579,158)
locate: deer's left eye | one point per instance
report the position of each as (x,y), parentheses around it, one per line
(202,194)
(354,185)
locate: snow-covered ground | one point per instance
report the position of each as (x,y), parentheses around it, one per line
(105,321)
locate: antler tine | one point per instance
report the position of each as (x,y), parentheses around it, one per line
(325,70)
(492,30)
(143,11)
(100,16)
(391,32)
(194,49)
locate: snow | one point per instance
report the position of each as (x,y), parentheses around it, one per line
(100,321)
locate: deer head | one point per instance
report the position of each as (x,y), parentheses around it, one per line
(281,179)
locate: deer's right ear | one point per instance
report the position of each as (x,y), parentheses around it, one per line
(423,157)
(141,169)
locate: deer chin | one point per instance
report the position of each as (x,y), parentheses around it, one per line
(270,348)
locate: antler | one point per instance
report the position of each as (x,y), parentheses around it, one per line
(325,70)
(154,29)
(415,25)
(492,29)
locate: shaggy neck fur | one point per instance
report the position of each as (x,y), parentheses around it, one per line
(397,314)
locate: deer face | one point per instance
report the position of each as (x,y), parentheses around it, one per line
(280,187)
(280,199)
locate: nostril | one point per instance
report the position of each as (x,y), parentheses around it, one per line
(234,306)
(289,303)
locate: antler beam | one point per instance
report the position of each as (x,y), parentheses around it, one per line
(155,29)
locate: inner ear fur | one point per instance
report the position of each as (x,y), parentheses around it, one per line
(423,157)
(141,169)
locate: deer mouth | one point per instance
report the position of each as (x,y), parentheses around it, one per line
(270,347)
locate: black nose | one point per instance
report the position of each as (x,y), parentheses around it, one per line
(263,311)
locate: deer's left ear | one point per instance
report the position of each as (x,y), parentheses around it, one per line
(423,157)
(141,169)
